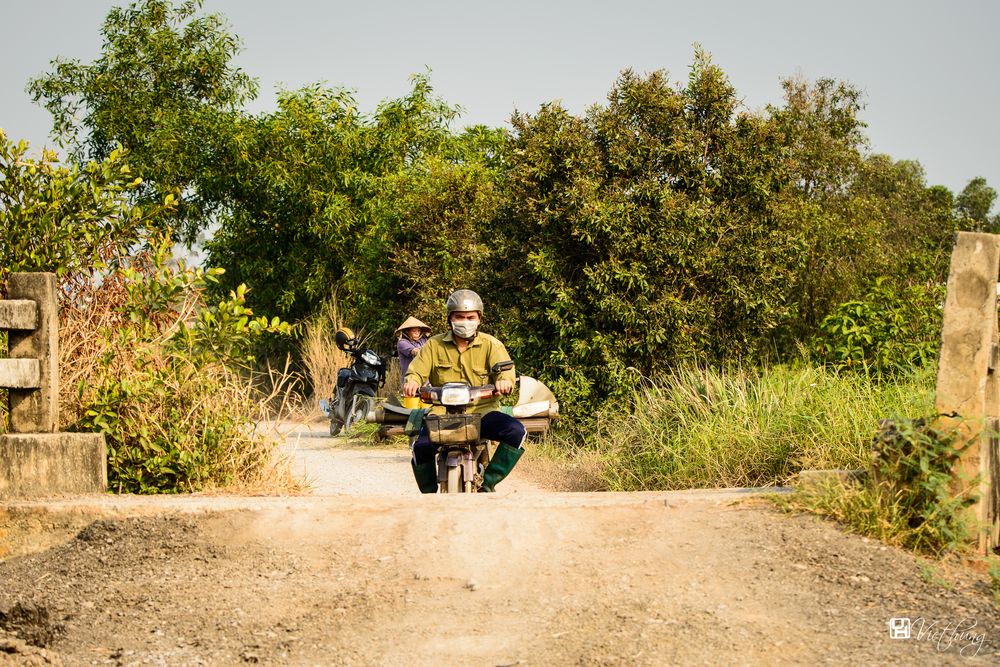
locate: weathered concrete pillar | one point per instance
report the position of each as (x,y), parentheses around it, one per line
(36,410)
(35,460)
(967,384)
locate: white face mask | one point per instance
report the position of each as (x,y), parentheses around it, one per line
(464,328)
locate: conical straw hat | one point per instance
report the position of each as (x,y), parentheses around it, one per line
(410,323)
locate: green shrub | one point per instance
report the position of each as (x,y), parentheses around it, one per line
(169,386)
(67,219)
(908,499)
(887,332)
(644,233)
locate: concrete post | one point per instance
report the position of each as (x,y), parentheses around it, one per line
(36,410)
(35,460)
(967,383)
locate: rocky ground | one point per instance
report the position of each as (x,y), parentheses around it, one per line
(523,577)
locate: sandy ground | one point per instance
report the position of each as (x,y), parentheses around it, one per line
(329,468)
(366,571)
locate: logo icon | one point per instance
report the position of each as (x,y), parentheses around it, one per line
(899,628)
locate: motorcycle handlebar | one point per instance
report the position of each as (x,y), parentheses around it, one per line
(430,394)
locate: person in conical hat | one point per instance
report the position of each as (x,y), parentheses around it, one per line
(412,335)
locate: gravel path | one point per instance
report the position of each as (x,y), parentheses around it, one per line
(342,465)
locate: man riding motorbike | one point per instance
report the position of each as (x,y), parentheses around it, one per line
(464,354)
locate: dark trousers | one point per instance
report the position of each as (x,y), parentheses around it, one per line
(493,426)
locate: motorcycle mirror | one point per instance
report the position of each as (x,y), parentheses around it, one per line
(501,366)
(345,338)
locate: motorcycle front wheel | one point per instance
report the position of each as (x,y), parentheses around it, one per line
(454,479)
(335,427)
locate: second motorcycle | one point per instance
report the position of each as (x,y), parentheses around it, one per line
(357,385)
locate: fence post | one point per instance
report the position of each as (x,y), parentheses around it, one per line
(967,382)
(35,459)
(36,410)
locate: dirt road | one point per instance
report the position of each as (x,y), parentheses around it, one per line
(523,577)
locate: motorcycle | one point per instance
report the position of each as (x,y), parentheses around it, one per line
(462,456)
(354,395)
(460,453)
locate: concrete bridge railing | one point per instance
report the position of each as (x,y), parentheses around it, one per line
(35,459)
(968,381)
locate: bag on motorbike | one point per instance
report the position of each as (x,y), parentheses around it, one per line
(414,421)
(453,429)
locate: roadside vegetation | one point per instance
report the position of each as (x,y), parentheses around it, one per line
(703,428)
(906,497)
(146,356)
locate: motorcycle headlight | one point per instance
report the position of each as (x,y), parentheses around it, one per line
(370,358)
(456,395)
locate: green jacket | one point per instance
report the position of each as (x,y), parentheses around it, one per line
(439,361)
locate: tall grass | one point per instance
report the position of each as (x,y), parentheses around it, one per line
(322,357)
(320,354)
(747,427)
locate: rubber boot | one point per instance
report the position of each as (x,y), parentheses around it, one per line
(426,476)
(503,461)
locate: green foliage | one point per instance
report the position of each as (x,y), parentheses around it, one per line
(701,428)
(823,134)
(164,388)
(908,499)
(66,219)
(326,198)
(165,394)
(641,235)
(914,223)
(885,333)
(438,242)
(857,217)
(666,225)
(165,88)
(973,204)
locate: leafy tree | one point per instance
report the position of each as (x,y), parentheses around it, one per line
(973,205)
(312,198)
(914,222)
(382,209)
(438,243)
(164,88)
(823,132)
(823,140)
(858,217)
(642,234)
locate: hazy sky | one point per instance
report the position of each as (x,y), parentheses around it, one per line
(928,69)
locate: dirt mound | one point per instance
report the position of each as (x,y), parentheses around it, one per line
(578,579)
